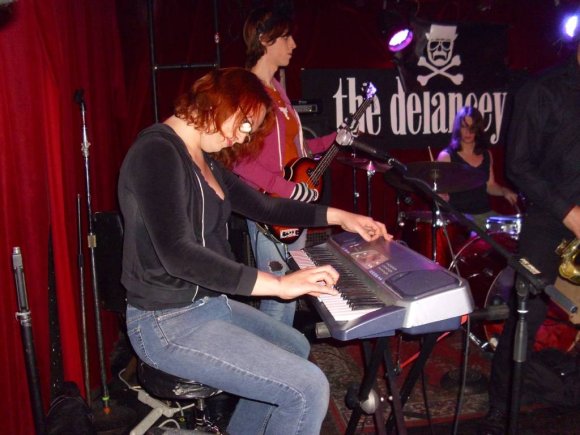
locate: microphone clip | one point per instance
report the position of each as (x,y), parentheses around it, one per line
(345,136)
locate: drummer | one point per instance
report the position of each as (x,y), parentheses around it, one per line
(468,146)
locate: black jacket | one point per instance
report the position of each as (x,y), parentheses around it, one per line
(543,154)
(165,262)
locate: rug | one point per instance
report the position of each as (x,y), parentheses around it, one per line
(342,362)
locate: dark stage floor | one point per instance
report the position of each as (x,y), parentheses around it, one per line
(341,362)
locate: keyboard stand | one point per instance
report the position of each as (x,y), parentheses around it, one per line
(373,358)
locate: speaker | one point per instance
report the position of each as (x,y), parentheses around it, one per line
(239,239)
(108,228)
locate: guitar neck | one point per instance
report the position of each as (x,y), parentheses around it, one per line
(323,164)
(333,150)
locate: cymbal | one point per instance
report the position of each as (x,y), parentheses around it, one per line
(443,177)
(362,163)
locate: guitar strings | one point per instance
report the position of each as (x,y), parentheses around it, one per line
(314,177)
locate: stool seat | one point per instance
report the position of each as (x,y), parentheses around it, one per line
(167,386)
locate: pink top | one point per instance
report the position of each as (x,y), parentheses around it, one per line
(267,170)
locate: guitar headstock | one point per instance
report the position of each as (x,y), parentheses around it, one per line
(369,90)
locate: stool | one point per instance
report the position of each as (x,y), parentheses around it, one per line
(173,388)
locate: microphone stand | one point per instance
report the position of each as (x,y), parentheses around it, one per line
(92,244)
(522,267)
(81,266)
(25,319)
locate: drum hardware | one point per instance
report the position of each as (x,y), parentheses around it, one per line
(401,218)
(423,233)
(436,223)
(569,268)
(365,164)
(371,167)
(442,177)
(511,224)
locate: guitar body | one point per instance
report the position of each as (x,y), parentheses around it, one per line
(298,171)
(306,170)
(301,171)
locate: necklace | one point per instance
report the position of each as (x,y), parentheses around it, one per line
(284,111)
(279,102)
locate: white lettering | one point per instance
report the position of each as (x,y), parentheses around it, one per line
(439,115)
(413,108)
(397,111)
(498,106)
(373,114)
(354,100)
(426,113)
(455,103)
(415,114)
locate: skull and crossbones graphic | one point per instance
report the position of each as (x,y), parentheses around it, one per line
(439,55)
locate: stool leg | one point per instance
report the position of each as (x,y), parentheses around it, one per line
(201,420)
(147,422)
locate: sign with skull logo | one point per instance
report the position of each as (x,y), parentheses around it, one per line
(448,67)
(440,56)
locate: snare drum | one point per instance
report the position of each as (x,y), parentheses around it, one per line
(492,283)
(418,234)
(511,225)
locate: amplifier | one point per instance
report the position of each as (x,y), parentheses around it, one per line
(307,106)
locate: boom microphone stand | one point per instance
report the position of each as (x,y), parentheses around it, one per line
(522,267)
(92,244)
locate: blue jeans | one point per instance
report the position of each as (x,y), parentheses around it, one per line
(271,257)
(234,347)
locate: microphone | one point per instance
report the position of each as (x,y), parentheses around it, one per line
(80,100)
(78,97)
(345,137)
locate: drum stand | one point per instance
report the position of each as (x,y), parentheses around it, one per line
(370,173)
(370,167)
(436,223)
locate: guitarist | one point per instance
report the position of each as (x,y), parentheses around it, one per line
(269,46)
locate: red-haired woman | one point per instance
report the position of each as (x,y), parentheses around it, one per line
(178,267)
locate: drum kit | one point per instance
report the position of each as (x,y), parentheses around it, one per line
(441,237)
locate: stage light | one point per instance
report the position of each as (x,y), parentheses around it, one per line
(570,27)
(400,40)
(396,31)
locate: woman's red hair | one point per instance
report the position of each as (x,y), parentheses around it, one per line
(217,96)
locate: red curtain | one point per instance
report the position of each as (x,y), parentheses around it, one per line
(47,51)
